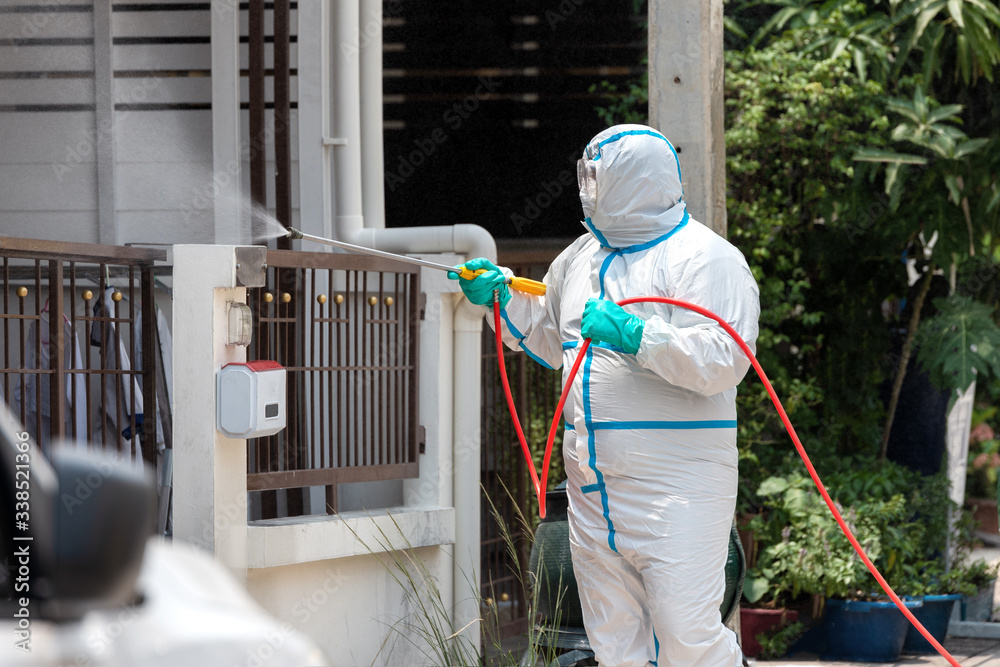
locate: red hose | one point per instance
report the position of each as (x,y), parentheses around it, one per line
(540,487)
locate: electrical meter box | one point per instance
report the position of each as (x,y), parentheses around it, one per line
(250,399)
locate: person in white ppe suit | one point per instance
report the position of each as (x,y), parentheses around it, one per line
(650,443)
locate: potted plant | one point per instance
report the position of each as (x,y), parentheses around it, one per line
(767,589)
(927,582)
(812,558)
(762,617)
(975,581)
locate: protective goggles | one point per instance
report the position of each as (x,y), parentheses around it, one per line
(586,172)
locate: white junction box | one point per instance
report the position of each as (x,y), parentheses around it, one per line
(250,399)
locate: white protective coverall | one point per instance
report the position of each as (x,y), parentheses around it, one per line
(650,442)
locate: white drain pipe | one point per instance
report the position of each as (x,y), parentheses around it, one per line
(358,167)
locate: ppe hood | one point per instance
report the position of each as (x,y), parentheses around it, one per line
(639,198)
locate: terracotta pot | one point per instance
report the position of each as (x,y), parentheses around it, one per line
(757,621)
(984,511)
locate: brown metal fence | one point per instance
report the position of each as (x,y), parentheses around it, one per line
(346,328)
(505,479)
(80,349)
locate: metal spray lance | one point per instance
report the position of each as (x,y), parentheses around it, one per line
(521,284)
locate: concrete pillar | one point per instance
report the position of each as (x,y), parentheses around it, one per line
(210,497)
(467,499)
(685,99)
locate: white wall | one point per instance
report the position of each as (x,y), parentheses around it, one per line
(351,606)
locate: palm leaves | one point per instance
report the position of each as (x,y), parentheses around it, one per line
(928,126)
(934,38)
(839,26)
(962,32)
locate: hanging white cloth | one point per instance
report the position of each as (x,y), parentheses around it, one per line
(38,351)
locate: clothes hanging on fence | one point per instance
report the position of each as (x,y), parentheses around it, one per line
(165,349)
(118,390)
(37,352)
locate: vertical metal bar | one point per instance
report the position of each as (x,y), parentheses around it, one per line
(355,363)
(130,376)
(105,408)
(267,459)
(361,327)
(149,357)
(6,330)
(301,322)
(286,346)
(316,351)
(73,347)
(337,439)
(118,372)
(402,316)
(341,351)
(414,359)
(255,79)
(282,126)
(373,384)
(333,311)
(57,359)
(39,374)
(22,350)
(87,364)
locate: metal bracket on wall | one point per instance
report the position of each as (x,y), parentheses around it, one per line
(251,266)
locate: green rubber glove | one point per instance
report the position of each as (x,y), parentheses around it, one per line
(607,322)
(480,290)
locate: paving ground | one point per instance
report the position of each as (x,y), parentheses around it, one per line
(969,653)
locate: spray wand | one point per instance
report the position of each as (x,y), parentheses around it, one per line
(520,284)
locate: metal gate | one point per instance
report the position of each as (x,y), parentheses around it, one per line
(81,355)
(507,532)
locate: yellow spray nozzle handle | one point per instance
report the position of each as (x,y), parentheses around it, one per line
(468,274)
(525,285)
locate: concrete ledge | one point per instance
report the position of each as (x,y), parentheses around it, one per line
(276,542)
(978,630)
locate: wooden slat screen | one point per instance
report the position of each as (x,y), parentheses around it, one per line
(487,106)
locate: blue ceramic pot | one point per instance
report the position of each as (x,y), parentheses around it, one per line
(864,631)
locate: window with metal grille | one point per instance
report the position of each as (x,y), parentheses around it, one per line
(346,329)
